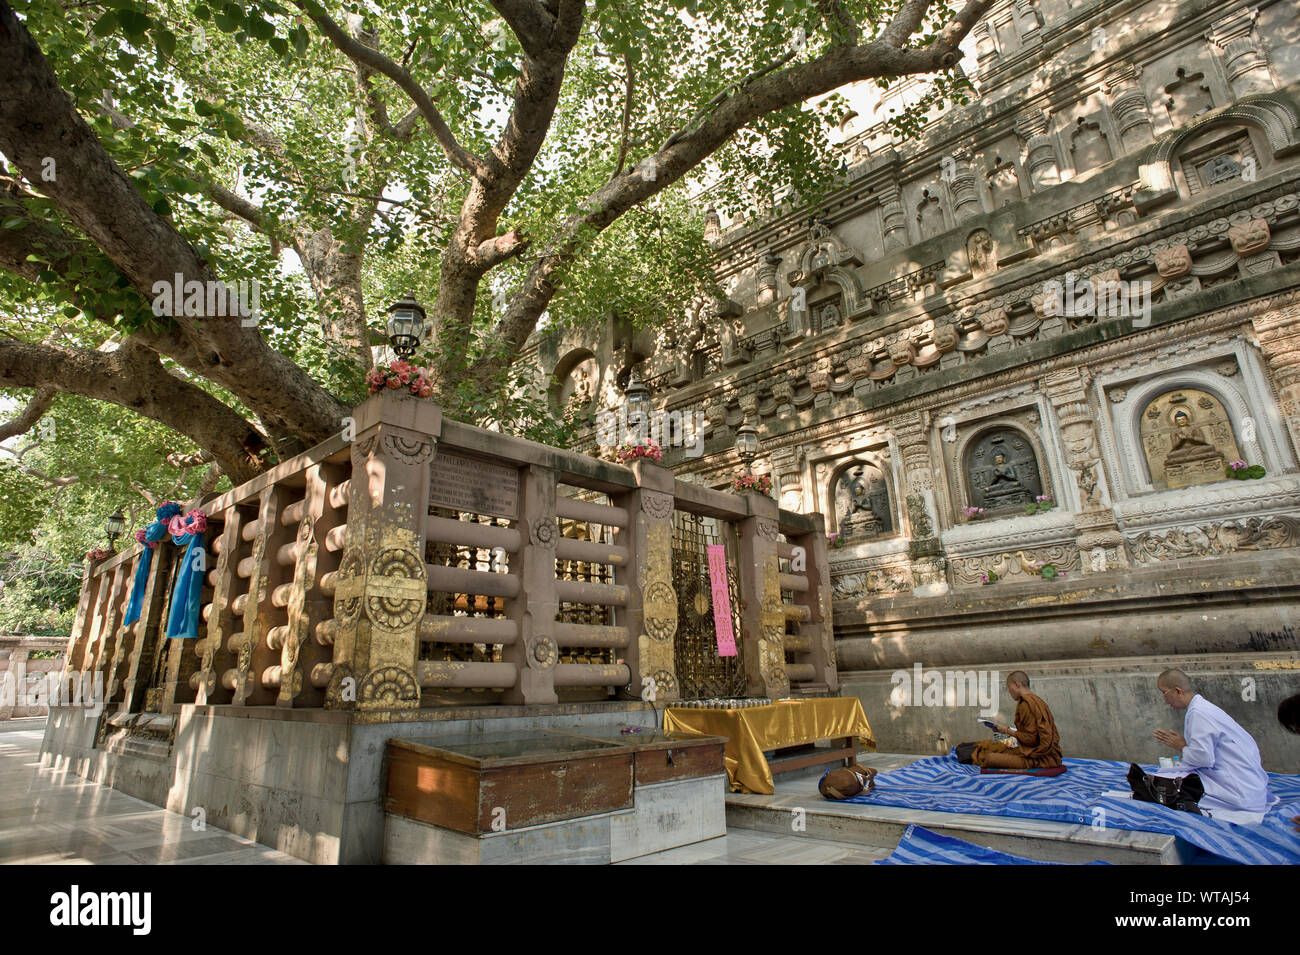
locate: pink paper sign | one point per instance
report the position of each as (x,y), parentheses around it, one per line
(721,600)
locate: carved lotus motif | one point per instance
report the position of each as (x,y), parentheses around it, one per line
(902,353)
(859,366)
(1250,238)
(1174,262)
(945,338)
(994,322)
(819,381)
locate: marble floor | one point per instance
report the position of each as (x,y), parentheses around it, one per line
(57,818)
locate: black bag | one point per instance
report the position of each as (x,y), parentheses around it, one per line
(1181,794)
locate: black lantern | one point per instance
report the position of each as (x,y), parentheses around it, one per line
(405,326)
(639,405)
(114,525)
(747,443)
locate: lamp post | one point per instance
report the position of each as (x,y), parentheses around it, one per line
(747,444)
(639,405)
(405,326)
(114,525)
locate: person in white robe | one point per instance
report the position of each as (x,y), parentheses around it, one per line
(1215,747)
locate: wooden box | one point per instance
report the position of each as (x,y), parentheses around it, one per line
(659,759)
(493,784)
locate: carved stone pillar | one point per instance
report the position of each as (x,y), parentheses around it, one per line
(785,465)
(1100,543)
(536,651)
(762,624)
(1129,106)
(965,195)
(929,566)
(712,226)
(1235,39)
(767,287)
(894,219)
(1278,334)
(1040,152)
(381,586)
(1027,23)
(986,50)
(652,600)
(817,598)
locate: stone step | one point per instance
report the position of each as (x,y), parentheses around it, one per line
(883,826)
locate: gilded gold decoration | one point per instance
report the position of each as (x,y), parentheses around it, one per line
(396,589)
(659,603)
(1187,438)
(389,687)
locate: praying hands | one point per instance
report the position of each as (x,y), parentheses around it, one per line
(1171,739)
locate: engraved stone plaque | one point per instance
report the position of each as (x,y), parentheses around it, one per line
(473,485)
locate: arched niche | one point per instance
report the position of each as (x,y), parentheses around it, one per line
(1187,438)
(1001,470)
(576,379)
(862,498)
(1270,122)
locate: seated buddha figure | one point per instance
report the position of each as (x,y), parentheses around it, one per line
(1004,488)
(1191,460)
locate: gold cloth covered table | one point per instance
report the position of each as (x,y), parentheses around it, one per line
(751,731)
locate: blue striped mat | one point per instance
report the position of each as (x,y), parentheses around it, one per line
(920,846)
(941,784)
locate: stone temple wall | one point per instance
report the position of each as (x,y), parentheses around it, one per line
(1039,335)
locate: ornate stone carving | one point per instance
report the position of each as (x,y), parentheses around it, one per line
(389,687)
(542,654)
(1254,533)
(1187,438)
(657,506)
(410,449)
(767,529)
(396,589)
(994,321)
(981,253)
(1174,262)
(542,533)
(1250,238)
(902,352)
(945,338)
(919,516)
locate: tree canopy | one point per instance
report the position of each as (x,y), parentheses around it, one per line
(505,161)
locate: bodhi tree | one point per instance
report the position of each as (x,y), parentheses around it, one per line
(509,161)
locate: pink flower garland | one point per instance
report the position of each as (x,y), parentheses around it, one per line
(400,375)
(195,522)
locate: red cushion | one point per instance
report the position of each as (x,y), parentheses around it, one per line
(1043,771)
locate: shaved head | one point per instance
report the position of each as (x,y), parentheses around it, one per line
(1174,680)
(1020,677)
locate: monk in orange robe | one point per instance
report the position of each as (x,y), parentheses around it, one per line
(1040,743)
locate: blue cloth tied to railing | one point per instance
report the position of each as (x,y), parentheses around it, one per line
(187,595)
(149,537)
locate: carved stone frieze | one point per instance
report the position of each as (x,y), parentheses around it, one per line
(1212,539)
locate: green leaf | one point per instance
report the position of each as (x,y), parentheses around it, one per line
(300,39)
(14,222)
(165,42)
(105,24)
(225,23)
(134,24)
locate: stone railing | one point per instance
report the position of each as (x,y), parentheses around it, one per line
(426,562)
(26,666)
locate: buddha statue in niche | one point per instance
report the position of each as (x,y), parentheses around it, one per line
(1191,460)
(1004,487)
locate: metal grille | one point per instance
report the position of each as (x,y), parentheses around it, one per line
(590,614)
(700,671)
(464,605)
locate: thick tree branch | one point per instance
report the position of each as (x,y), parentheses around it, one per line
(761,93)
(38,121)
(359,53)
(531,23)
(36,407)
(132,377)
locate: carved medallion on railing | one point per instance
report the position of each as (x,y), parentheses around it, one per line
(396,589)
